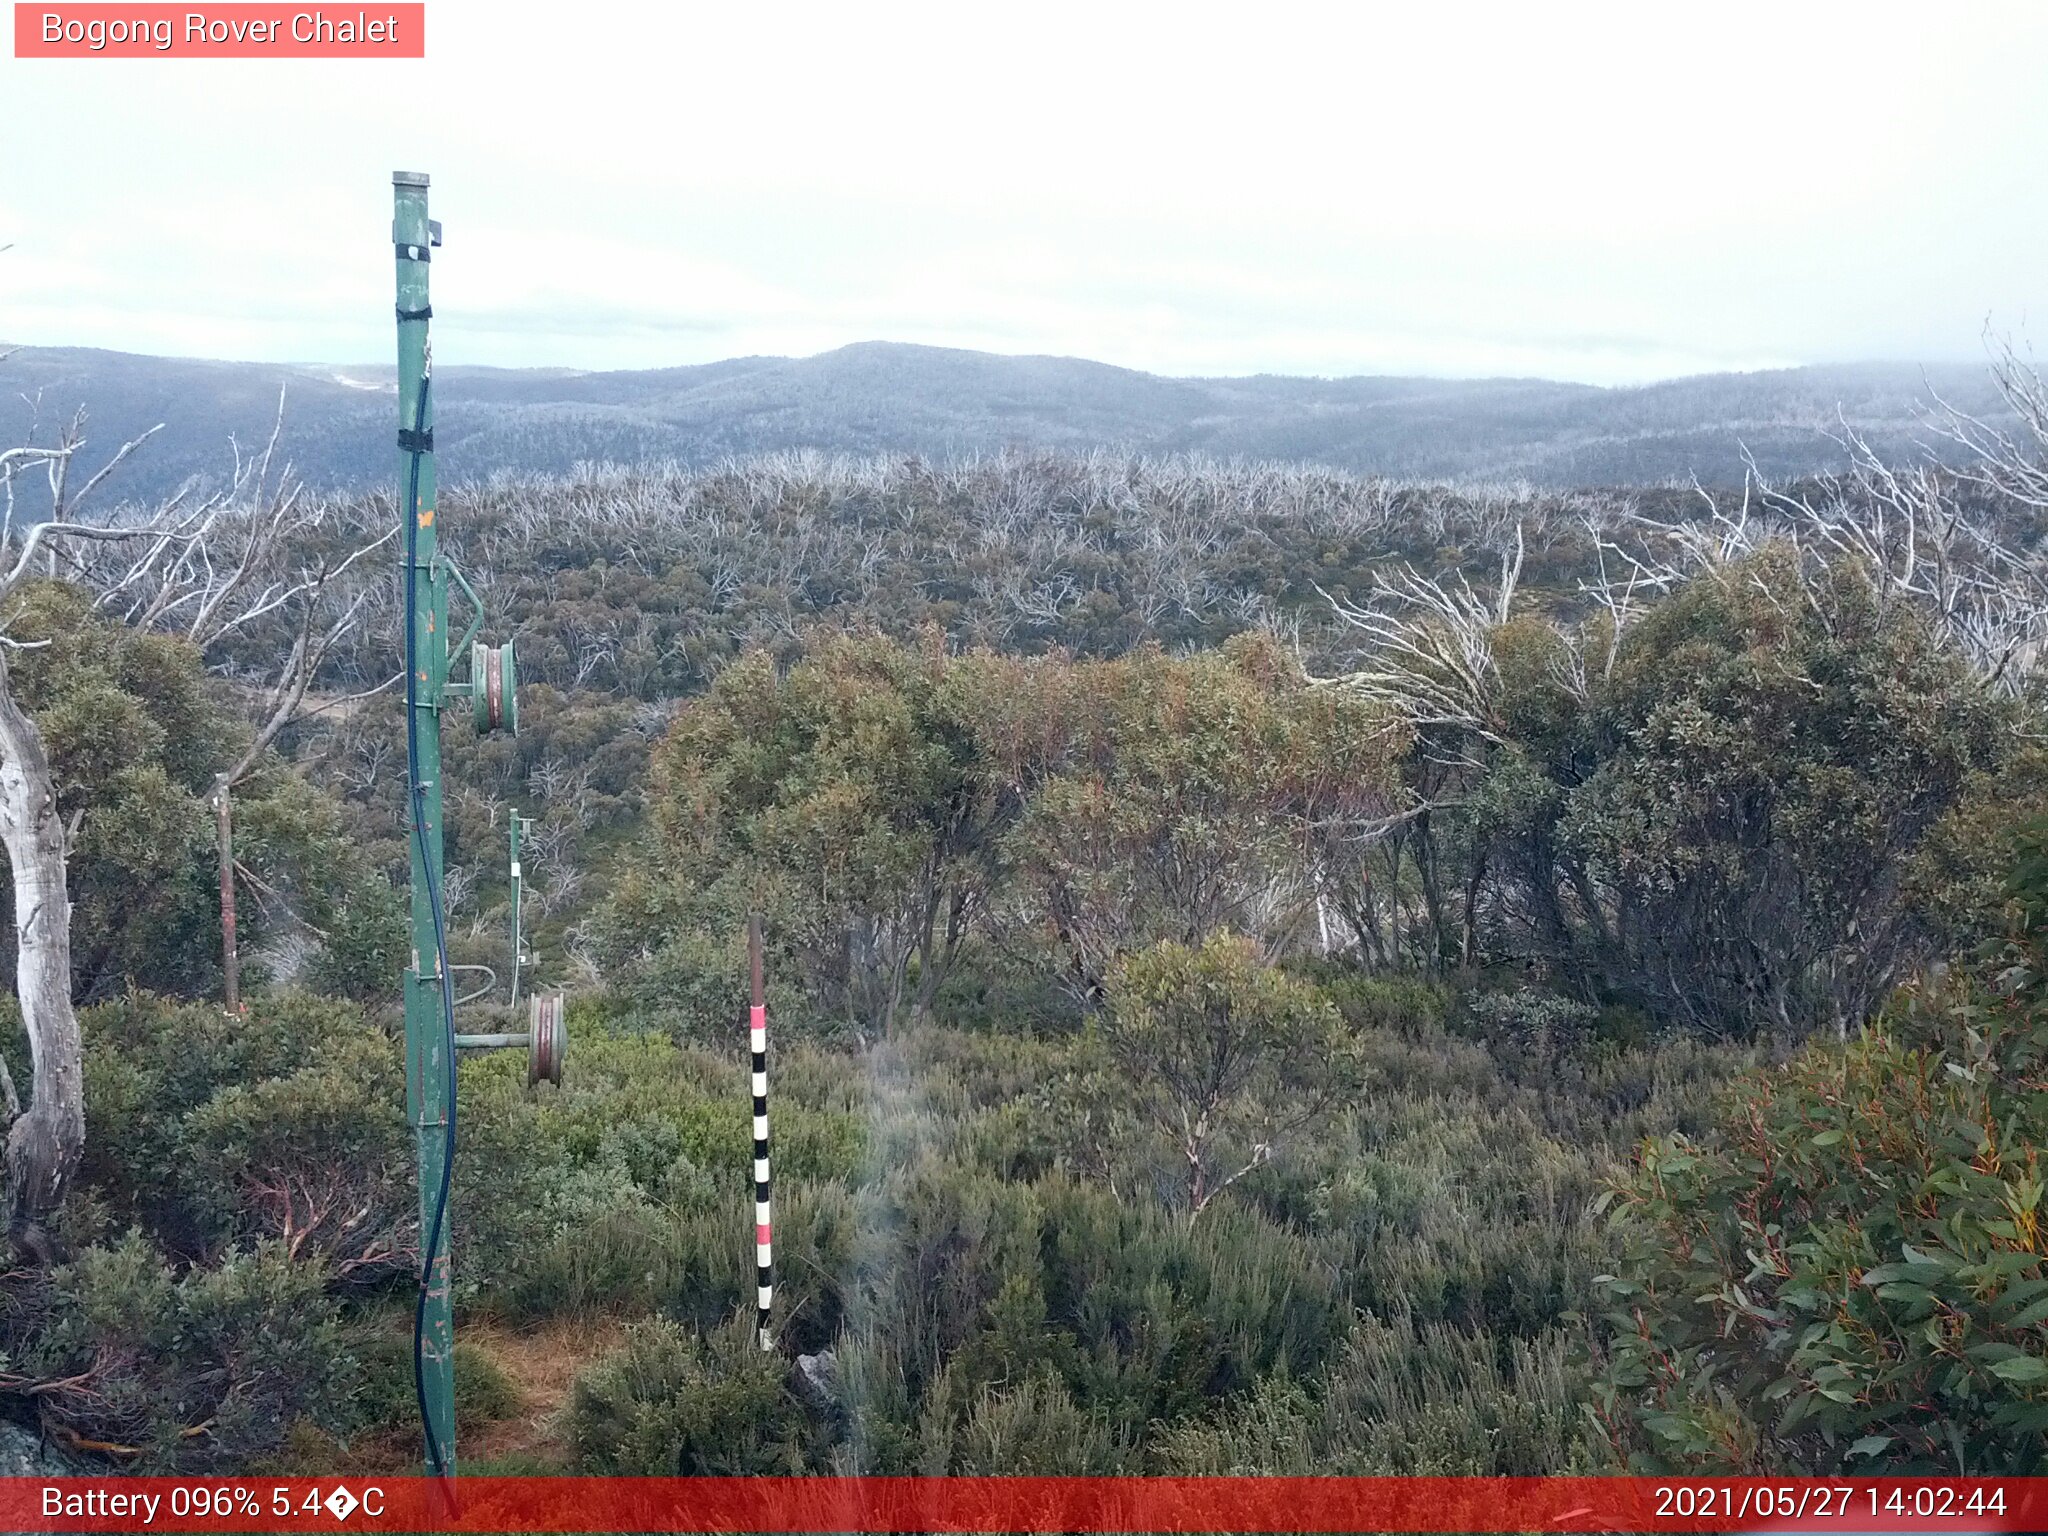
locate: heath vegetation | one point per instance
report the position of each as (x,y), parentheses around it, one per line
(1270,970)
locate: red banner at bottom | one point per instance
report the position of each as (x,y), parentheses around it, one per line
(1071,1504)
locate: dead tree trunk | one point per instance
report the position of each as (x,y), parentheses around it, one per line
(45,1141)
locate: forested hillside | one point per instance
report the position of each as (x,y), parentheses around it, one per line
(895,400)
(1272,970)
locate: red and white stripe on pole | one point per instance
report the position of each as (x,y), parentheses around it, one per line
(757,1043)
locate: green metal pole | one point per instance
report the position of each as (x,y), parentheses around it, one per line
(518,952)
(429,1064)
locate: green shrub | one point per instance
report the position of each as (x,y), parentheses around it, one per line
(387,1399)
(1533,1033)
(1016,989)
(365,944)
(631,1186)
(318,1159)
(286,1122)
(197,1370)
(1008,1427)
(1395,1003)
(670,1402)
(1405,1400)
(1850,1277)
(1225,1057)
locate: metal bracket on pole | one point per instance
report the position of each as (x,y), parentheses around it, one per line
(475,623)
(490,985)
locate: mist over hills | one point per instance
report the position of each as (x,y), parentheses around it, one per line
(889,398)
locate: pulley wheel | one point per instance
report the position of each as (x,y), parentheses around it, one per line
(494,688)
(548,1039)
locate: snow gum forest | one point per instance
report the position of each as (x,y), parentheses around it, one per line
(1270,970)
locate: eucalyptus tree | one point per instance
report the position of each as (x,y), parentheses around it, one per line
(1701,782)
(46,1136)
(242,563)
(1226,1058)
(265,585)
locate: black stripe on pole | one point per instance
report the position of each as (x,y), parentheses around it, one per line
(757,1020)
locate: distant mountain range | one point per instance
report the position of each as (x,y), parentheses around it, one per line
(884,398)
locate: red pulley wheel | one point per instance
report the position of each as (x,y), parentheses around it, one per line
(548,1039)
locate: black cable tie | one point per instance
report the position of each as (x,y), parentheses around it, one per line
(412,252)
(410,441)
(417,314)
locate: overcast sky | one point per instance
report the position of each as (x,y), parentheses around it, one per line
(1608,194)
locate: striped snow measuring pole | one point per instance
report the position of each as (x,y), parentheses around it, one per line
(757,1041)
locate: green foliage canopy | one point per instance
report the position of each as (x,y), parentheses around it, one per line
(1854,1276)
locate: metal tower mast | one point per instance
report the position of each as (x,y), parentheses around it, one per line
(431,1040)
(429,1052)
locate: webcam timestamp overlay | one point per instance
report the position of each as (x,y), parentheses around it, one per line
(1070,1504)
(229,31)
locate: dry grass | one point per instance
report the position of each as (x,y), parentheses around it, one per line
(541,1362)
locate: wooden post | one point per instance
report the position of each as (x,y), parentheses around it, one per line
(224,837)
